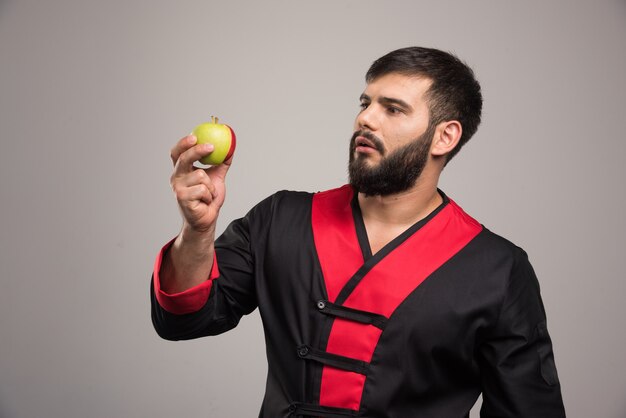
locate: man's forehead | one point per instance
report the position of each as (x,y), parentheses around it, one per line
(398,84)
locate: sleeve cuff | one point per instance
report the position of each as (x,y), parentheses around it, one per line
(188,301)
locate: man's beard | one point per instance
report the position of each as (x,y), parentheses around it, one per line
(396,172)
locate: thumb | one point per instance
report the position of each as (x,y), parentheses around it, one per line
(220,170)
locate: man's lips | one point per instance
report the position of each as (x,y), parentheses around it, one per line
(365,142)
(361,141)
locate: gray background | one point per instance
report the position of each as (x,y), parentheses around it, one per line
(94,93)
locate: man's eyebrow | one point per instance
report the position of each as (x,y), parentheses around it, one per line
(391,100)
(387,100)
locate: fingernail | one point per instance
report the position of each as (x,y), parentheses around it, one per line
(192,139)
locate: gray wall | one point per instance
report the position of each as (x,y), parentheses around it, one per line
(94,93)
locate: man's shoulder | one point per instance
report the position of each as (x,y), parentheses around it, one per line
(495,244)
(285,209)
(290,200)
(297,197)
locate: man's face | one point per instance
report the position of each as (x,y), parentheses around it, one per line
(391,142)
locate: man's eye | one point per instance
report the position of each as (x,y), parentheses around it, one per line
(393,110)
(363,105)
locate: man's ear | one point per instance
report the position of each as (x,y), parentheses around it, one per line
(447,136)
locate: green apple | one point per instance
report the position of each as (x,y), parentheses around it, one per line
(221,136)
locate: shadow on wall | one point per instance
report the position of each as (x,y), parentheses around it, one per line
(4,412)
(4,4)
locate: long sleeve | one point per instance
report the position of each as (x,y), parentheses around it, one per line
(518,371)
(216,305)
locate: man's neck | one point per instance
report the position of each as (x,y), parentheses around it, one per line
(386,217)
(404,208)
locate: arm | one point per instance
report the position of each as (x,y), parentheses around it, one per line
(215,305)
(518,373)
(186,268)
(200,195)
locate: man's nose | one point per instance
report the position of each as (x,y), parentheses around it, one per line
(367,119)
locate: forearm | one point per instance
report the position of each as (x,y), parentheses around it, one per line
(188,261)
(199,299)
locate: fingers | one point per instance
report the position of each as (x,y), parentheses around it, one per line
(199,192)
(181,146)
(187,151)
(186,196)
(196,177)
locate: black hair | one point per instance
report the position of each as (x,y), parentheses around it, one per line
(454,93)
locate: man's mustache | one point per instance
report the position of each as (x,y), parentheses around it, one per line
(376,142)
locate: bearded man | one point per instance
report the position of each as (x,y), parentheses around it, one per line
(381,298)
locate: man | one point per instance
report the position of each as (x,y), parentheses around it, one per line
(381,298)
